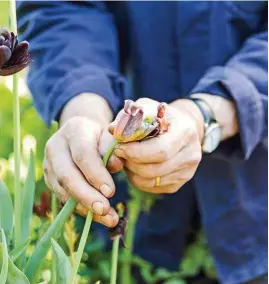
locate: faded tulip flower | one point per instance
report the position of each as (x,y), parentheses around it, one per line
(120,229)
(14,56)
(44,206)
(135,122)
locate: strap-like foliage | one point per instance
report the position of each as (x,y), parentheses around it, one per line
(6,210)
(62,264)
(3,258)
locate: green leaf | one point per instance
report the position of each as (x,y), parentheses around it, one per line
(44,243)
(15,275)
(28,199)
(14,254)
(4,258)
(62,264)
(6,210)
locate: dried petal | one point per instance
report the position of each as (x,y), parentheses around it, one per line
(13,69)
(131,124)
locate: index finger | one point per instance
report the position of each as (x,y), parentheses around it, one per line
(154,150)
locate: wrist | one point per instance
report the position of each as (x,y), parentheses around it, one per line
(224,112)
(91,106)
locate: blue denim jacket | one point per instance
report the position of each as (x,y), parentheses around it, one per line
(169,50)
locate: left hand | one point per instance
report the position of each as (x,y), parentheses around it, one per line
(173,156)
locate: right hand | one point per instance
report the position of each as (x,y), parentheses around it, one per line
(74,167)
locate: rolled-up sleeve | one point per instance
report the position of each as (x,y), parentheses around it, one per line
(244,79)
(75,49)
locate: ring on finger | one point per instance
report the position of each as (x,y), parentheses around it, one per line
(157,181)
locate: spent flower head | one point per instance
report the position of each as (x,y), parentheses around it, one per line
(120,229)
(137,122)
(14,55)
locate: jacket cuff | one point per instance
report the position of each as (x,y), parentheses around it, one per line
(90,79)
(231,84)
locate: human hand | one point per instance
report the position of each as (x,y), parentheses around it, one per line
(73,167)
(174,156)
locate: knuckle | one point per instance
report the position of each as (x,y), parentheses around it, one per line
(196,157)
(163,154)
(115,220)
(79,157)
(149,171)
(74,122)
(63,181)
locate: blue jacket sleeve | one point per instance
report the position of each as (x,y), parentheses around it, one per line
(245,80)
(75,49)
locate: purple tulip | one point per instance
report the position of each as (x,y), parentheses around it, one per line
(14,56)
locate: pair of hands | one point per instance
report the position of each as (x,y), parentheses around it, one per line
(73,159)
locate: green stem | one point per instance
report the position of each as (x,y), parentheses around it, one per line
(54,211)
(81,246)
(17,139)
(109,152)
(54,206)
(134,208)
(114,265)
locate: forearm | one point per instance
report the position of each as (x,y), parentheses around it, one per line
(88,105)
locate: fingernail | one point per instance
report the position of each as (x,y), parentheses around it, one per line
(106,190)
(118,152)
(98,207)
(108,220)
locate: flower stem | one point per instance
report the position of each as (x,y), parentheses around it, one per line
(81,246)
(17,139)
(134,208)
(114,264)
(54,206)
(109,152)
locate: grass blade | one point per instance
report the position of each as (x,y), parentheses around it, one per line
(6,210)
(62,264)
